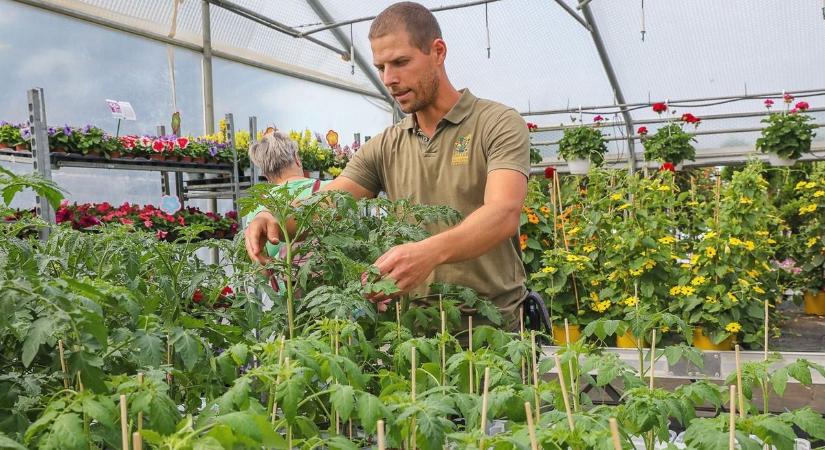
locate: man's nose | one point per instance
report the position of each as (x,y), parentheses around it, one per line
(389,77)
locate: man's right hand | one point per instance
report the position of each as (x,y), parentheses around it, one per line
(262,229)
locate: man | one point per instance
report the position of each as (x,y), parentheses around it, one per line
(452,149)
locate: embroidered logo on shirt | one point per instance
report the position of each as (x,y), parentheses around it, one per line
(461,150)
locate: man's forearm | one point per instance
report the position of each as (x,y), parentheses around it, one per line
(482,230)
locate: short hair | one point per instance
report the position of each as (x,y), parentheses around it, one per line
(273,153)
(418,21)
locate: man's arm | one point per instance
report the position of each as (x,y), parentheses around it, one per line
(265,228)
(495,221)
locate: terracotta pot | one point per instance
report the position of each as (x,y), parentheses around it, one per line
(93,153)
(59,150)
(703,342)
(627,340)
(186,158)
(815,303)
(4,145)
(157,157)
(560,338)
(115,155)
(199,159)
(22,147)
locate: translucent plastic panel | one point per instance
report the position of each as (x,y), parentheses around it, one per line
(540,57)
(707,48)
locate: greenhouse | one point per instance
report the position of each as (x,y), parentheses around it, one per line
(466,224)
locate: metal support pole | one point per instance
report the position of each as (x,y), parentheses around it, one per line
(206,68)
(253,138)
(614,82)
(164,176)
(41,156)
(230,139)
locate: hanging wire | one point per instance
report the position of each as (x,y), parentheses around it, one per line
(351,52)
(643,21)
(487,26)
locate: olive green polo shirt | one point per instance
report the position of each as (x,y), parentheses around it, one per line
(474,138)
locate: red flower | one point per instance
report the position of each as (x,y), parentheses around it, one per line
(158,146)
(126,221)
(232,215)
(145,141)
(181,221)
(182,142)
(802,106)
(103,207)
(768,103)
(160,234)
(690,118)
(147,223)
(667,166)
(659,108)
(88,221)
(128,141)
(170,145)
(549,172)
(531,126)
(642,131)
(793,111)
(197,297)
(64,214)
(788,98)
(598,118)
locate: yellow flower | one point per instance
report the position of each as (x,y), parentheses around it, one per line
(735,241)
(732,297)
(807,209)
(758,290)
(594,296)
(710,235)
(694,259)
(616,196)
(664,329)
(650,264)
(589,248)
(623,207)
(664,188)
(549,269)
(636,272)
(771,241)
(687,290)
(335,171)
(810,242)
(545,210)
(685,266)
(631,301)
(753,273)
(698,280)
(745,201)
(733,327)
(818,194)
(799,185)
(710,252)
(810,185)
(675,290)
(692,203)
(595,282)
(711,300)
(527,210)
(667,240)
(574,231)
(601,307)
(762,233)
(613,276)
(532,218)
(744,282)
(750,245)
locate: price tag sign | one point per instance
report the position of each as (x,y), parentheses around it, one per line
(121,110)
(170,204)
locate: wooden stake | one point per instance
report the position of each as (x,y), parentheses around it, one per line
(63,365)
(484,401)
(80,382)
(412,392)
(382,445)
(652,359)
(169,360)
(443,346)
(535,374)
(573,377)
(739,384)
(732,419)
(137,441)
(564,393)
(140,413)
(470,347)
(398,320)
(124,422)
(614,433)
(531,429)
(766,329)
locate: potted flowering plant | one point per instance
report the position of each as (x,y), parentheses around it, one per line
(10,136)
(90,140)
(671,144)
(583,145)
(565,292)
(810,238)
(788,133)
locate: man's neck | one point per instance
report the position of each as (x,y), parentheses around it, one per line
(428,117)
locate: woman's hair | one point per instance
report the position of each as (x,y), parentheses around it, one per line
(273,153)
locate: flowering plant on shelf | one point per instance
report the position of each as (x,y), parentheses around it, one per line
(789,132)
(809,244)
(10,135)
(671,143)
(314,156)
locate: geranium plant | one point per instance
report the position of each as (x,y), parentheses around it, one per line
(583,143)
(787,133)
(671,143)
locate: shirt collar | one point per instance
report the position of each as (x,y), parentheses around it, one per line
(458,113)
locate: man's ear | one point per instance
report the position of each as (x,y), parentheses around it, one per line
(439,50)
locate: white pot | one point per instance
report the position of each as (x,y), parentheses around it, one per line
(779,161)
(578,166)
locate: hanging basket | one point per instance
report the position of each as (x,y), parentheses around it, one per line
(778,161)
(578,166)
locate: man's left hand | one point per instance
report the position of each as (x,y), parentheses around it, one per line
(408,264)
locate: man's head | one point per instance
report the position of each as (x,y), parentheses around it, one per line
(409,53)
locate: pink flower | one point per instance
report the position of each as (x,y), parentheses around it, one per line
(802,106)
(147,223)
(794,111)
(126,221)
(788,98)
(181,221)
(145,141)
(64,214)
(158,146)
(598,119)
(768,103)
(642,131)
(659,108)
(182,142)
(160,234)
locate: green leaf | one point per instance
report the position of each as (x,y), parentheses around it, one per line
(67,433)
(148,349)
(187,346)
(9,443)
(370,409)
(343,400)
(39,331)
(809,421)
(250,425)
(779,380)
(207,443)
(100,408)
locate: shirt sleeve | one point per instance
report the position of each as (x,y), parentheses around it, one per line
(366,167)
(509,144)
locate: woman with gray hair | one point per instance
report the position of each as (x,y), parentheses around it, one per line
(277,157)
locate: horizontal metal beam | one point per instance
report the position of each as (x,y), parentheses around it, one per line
(365,19)
(679,103)
(117,26)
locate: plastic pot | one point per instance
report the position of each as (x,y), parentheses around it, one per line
(814,303)
(578,166)
(703,342)
(779,161)
(561,339)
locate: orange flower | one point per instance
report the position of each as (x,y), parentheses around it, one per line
(532,218)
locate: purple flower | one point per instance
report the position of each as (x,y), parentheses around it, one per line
(213,151)
(51,131)
(25,133)
(67,130)
(87,129)
(3,123)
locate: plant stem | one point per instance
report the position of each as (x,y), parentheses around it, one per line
(290,295)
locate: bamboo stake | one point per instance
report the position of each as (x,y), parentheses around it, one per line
(614,433)
(564,393)
(140,413)
(398,320)
(382,445)
(739,384)
(124,424)
(169,359)
(521,336)
(63,365)
(534,445)
(652,359)
(137,441)
(443,346)
(573,377)
(535,374)
(412,393)
(80,382)
(732,419)
(766,329)
(470,348)
(484,402)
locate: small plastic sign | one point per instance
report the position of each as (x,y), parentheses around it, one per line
(170,204)
(121,110)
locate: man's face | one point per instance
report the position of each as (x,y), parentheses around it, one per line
(410,75)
